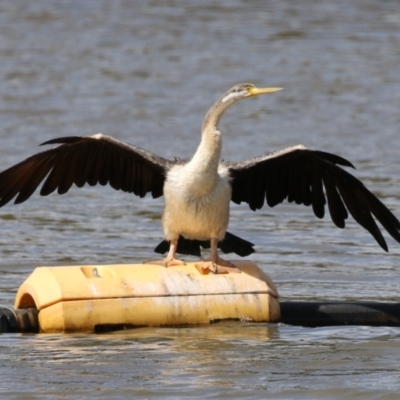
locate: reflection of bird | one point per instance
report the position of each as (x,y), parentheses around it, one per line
(198,192)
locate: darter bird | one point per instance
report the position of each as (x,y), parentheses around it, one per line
(198,192)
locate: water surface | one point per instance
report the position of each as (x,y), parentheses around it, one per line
(147,73)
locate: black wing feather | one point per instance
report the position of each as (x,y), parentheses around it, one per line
(230,244)
(300,175)
(80,160)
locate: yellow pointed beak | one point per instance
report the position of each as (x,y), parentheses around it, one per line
(254,91)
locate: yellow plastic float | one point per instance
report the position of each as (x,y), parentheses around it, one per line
(91,297)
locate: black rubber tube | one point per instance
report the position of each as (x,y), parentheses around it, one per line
(313,314)
(8,321)
(21,320)
(303,313)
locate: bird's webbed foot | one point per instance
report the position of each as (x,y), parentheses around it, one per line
(169,260)
(166,262)
(218,266)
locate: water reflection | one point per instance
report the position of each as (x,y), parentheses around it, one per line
(230,359)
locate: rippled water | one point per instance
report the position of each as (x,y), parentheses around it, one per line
(146,72)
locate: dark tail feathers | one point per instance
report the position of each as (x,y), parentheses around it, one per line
(230,244)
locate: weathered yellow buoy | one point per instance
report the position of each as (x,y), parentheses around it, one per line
(87,298)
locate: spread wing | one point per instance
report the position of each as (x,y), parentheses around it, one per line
(79,160)
(299,174)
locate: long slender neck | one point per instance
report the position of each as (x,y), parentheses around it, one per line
(214,114)
(208,153)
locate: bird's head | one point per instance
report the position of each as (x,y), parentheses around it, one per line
(238,92)
(245,90)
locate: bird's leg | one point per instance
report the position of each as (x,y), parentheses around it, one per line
(215,264)
(169,260)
